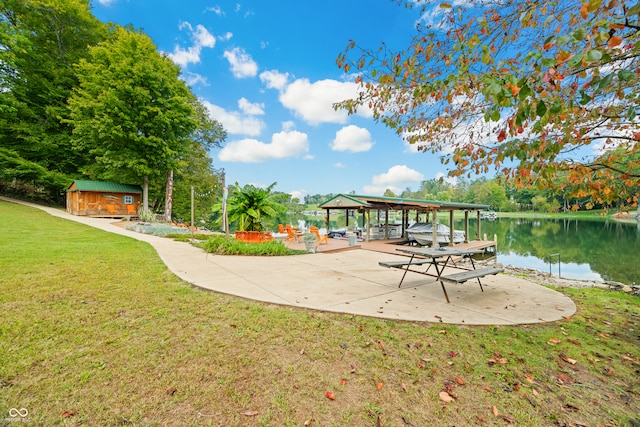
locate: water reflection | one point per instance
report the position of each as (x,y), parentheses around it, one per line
(596,250)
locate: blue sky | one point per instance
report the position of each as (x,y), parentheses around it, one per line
(266,70)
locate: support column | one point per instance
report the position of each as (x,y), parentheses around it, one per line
(466,226)
(434,230)
(451,229)
(478,228)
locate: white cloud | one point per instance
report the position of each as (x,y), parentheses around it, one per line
(250,108)
(299,194)
(235,122)
(283,145)
(193,79)
(352,138)
(274,79)
(215,9)
(396,178)
(288,125)
(339,165)
(313,102)
(226,36)
(106,2)
(452,180)
(242,65)
(191,55)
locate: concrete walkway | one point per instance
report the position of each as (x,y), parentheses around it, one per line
(351,282)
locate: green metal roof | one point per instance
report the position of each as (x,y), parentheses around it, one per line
(110,187)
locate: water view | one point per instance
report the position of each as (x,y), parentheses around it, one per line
(592,250)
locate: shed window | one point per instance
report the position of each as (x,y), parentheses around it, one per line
(127,200)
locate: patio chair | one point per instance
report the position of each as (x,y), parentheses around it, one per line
(293,235)
(313,229)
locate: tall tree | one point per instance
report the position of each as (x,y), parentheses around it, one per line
(40,40)
(131,111)
(520,86)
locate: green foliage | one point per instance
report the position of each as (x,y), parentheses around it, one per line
(41,40)
(249,206)
(147,215)
(131,111)
(520,87)
(222,246)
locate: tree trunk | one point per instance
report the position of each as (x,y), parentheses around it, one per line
(145,193)
(168,199)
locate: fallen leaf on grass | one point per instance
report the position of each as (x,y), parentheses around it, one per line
(507,419)
(564,378)
(553,341)
(495,410)
(307,423)
(404,387)
(343,382)
(250,413)
(379,385)
(171,391)
(572,407)
(568,359)
(460,381)
(330,395)
(67,414)
(445,397)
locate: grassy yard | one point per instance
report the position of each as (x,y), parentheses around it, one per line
(95,331)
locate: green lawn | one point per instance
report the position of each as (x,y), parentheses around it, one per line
(94,330)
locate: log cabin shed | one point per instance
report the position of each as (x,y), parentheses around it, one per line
(103,199)
(378,205)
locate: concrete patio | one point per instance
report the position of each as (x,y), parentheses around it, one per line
(351,282)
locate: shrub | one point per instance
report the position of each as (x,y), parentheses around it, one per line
(222,246)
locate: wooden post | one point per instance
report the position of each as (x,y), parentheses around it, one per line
(478,228)
(434,230)
(451,239)
(192,209)
(466,226)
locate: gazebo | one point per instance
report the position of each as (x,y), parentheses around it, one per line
(379,204)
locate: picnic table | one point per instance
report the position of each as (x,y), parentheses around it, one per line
(439,258)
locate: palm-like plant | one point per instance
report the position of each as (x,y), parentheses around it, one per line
(249,206)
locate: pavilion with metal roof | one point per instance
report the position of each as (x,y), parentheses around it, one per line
(379,205)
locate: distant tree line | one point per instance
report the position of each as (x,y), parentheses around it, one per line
(485,191)
(80,99)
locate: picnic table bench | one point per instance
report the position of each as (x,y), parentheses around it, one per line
(431,257)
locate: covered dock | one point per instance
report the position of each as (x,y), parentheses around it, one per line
(381,208)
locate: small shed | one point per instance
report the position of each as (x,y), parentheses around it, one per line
(103,199)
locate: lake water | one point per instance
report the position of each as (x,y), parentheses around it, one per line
(592,250)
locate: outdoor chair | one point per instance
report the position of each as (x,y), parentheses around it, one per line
(293,235)
(313,229)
